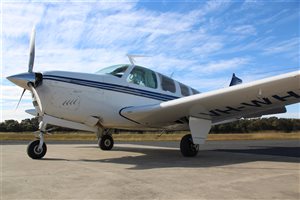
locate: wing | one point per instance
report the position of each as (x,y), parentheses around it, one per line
(254,99)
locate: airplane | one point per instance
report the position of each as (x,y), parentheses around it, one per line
(131,97)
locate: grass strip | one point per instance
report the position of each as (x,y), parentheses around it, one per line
(78,136)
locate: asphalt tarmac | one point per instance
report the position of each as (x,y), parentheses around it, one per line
(153,170)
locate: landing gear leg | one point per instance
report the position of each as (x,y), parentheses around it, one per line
(189,145)
(105,140)
(37,148)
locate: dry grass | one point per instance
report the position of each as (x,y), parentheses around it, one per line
(79,136)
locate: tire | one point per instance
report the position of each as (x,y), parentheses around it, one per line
(187,146)
(33,152)
(106,142)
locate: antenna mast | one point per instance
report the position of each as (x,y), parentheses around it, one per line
(132,60)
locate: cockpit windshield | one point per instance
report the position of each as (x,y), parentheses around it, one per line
(115,70)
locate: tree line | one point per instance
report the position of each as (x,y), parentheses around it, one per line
(258,125)
(240,126)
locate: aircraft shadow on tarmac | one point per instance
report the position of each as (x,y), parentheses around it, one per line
(170,158)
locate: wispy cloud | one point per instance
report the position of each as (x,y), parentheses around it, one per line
(242,30)
(290,47)
(208,48)
(222,65)
(13,93)
(15,24)
(19,114)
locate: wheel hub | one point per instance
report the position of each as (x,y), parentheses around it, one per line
(107,142)
(38,150)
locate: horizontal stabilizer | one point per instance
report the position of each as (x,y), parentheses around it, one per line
(32,112)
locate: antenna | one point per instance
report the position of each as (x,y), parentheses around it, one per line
(171,76)
(131,58)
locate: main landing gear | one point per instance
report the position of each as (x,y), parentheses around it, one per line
(187,146)
(105,140)
(37,148)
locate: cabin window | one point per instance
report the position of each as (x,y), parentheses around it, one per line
(116,70)
(195,91)
(142,76)
(167,84)
(184,90)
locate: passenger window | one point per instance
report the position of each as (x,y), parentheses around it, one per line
(142,76)
(167,84)
(184,90)
(195,91)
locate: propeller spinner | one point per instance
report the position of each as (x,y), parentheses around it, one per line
(29,79)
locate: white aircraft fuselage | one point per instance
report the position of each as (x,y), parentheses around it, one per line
(82,97)
(78,96)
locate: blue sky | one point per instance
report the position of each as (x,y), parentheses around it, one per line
(200,43)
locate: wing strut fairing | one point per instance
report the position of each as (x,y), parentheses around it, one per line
(199,129)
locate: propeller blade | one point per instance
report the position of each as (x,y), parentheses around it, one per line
(31,50)
(35,94)
(20,98)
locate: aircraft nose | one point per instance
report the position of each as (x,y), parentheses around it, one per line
(23,79)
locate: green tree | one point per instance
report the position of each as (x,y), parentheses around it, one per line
(12,125)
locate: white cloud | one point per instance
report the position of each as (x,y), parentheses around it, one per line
(204,84)
(18,114)
(18,18)
(208,47)
(9,99)
(290,46)
(242,30)
(274,18)
(212,6)
(14,93)
(222,65)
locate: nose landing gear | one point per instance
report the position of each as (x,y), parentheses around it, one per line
(34,151)
(37,148)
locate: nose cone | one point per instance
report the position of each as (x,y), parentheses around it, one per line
(23,79)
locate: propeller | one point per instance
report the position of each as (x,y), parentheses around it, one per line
(32,89)
(31,51)
(31,58)
(20,98)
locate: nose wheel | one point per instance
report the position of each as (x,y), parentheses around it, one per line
(106,142)
(34,150)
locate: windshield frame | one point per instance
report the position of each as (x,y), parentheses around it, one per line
(115,70)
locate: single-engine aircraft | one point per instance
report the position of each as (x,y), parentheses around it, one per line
(132,97)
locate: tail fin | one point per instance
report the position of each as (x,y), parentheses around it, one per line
(235,80)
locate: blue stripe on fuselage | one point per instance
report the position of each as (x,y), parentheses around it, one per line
(112,87)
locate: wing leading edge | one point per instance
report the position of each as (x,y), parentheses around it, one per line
(265,96)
